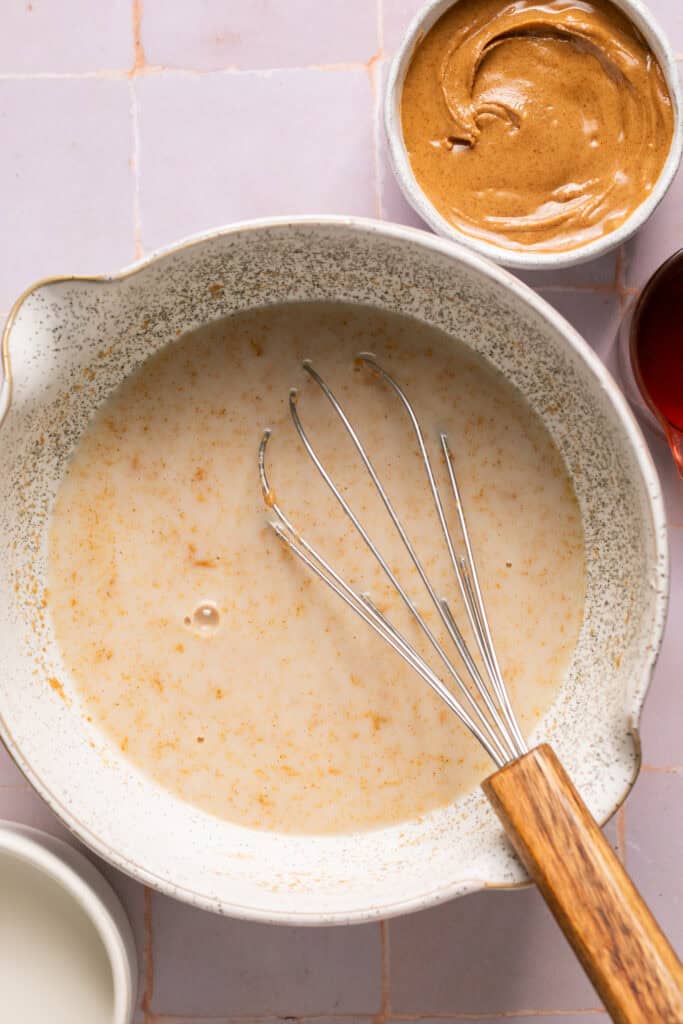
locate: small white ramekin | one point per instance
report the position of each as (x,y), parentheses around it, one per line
(83,883)
(423,21)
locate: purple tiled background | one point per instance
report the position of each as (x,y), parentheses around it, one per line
(127,124)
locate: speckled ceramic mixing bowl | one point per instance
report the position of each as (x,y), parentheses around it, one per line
(423,21)
(71,340)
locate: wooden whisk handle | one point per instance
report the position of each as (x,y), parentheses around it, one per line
(624,952)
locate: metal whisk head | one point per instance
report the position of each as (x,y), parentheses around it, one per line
(488,715)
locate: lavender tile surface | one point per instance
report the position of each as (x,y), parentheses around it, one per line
(66,178)
(131,123)
(237,130)
(234,34)
(68,37)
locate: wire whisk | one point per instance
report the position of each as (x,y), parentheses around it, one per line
(633,967)
(491,718)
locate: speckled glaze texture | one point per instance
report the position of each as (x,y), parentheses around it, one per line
(70,341)
(423,21)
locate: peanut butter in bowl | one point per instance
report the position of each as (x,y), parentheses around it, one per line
(536,126)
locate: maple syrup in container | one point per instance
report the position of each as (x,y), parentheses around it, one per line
(656,350)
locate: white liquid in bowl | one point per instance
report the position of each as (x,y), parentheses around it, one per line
(53,964)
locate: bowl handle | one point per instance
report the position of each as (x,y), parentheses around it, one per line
(625,954)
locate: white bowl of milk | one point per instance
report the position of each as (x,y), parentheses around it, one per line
(68,950)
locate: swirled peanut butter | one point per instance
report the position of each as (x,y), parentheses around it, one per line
(536,125)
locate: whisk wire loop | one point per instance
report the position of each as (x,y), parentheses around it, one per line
(494,724)
(478,608)
(474,603)
(405,597)
(455,675)
(370,614)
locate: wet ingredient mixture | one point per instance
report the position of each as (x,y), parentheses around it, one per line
(204,649)
(536,125)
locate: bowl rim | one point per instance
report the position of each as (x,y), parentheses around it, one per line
(638,446)
(421,23)
(76,875)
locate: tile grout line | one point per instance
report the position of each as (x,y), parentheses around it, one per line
(619,268)
(373,68)
(148,959)
(385,973)
(135,160)
(525,1014)
(139,62)
(500,1015)
(505,1015)
(161,69)
(65,76)
(172,1018)
(599,289)
(137,68)
(140,65)
(408,1019)
(623,290)
(380,25)
(619,276)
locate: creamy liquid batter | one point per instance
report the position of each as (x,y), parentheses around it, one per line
(212,657)
(536,124)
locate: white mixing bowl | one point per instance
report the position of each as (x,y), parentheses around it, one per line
(70,341)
